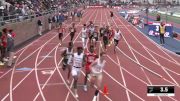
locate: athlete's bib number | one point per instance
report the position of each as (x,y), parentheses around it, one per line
(77,64)
(157,28)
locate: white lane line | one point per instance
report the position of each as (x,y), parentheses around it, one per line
(156,63)
(124,81)
(52,84)
(133,75)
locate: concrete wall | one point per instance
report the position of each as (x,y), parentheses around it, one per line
(27,29)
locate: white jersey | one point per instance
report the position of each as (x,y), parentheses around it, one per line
(98,68)
(78,60)
(91,30)
(84,32)
(117,35)
(69,53)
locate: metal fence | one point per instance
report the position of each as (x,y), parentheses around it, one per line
(19,18)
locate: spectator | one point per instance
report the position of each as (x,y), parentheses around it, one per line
(39,27)
(10,47)
(50,23)
(162,32)
(158,17)
(3,45)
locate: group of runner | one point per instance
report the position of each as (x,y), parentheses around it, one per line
(86,56)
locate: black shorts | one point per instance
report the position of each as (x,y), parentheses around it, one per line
(101,34)
(72,34)
(105,40)
(116,42)
(65,63)
(90,37)
(60,35)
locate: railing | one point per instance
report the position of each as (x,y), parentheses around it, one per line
(19,18)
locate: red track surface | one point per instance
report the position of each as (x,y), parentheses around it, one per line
(138,62)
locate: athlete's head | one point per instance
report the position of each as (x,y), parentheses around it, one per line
(102,55)
(84,25)
(73,24)
(117,29)
(91,48)
(79,50)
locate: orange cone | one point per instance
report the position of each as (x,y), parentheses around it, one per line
(105,91)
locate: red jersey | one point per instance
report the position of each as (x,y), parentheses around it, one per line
(4,40)
(90,57)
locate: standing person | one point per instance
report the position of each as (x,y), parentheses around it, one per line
(72,31)
(61,32)
(79,15)
(90,57)
(50,23)
(117,36)
(61,19)
(162,32)
(4,45)
(111,14)
(78,63)
(158,17)
(97,73)
(10,47)
(1,49)
(67,57)
(39,23)
(84,35)
(73,15)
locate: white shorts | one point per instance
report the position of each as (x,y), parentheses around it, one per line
(98,77)
(76,71)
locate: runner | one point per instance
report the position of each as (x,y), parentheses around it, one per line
(84,36)
(117,37)
(105,37)
(67,57)
(102,30)
(61,31)
(90,56)
(78,63)
(72,31)
(91,32)
(110,35)
(111,14)
(96,73)
(95,36)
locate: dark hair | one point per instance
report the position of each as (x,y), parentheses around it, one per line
(84,25)
(79,48)
(4,30)
(10,30)
(102,53)
(91,46)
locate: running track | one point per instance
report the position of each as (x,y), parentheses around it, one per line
(137,63)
